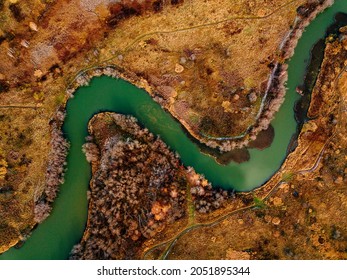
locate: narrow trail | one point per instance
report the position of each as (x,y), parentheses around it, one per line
(206,25)
(18,106)
(139,38)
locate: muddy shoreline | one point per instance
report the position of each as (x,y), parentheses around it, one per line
(311,75)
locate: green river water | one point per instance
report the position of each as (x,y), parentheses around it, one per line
(55,237)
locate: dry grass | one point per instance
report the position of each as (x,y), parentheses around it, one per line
(209,40)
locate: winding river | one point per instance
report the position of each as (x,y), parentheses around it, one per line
(54,238)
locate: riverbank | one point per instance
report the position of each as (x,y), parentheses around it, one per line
(138,189)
